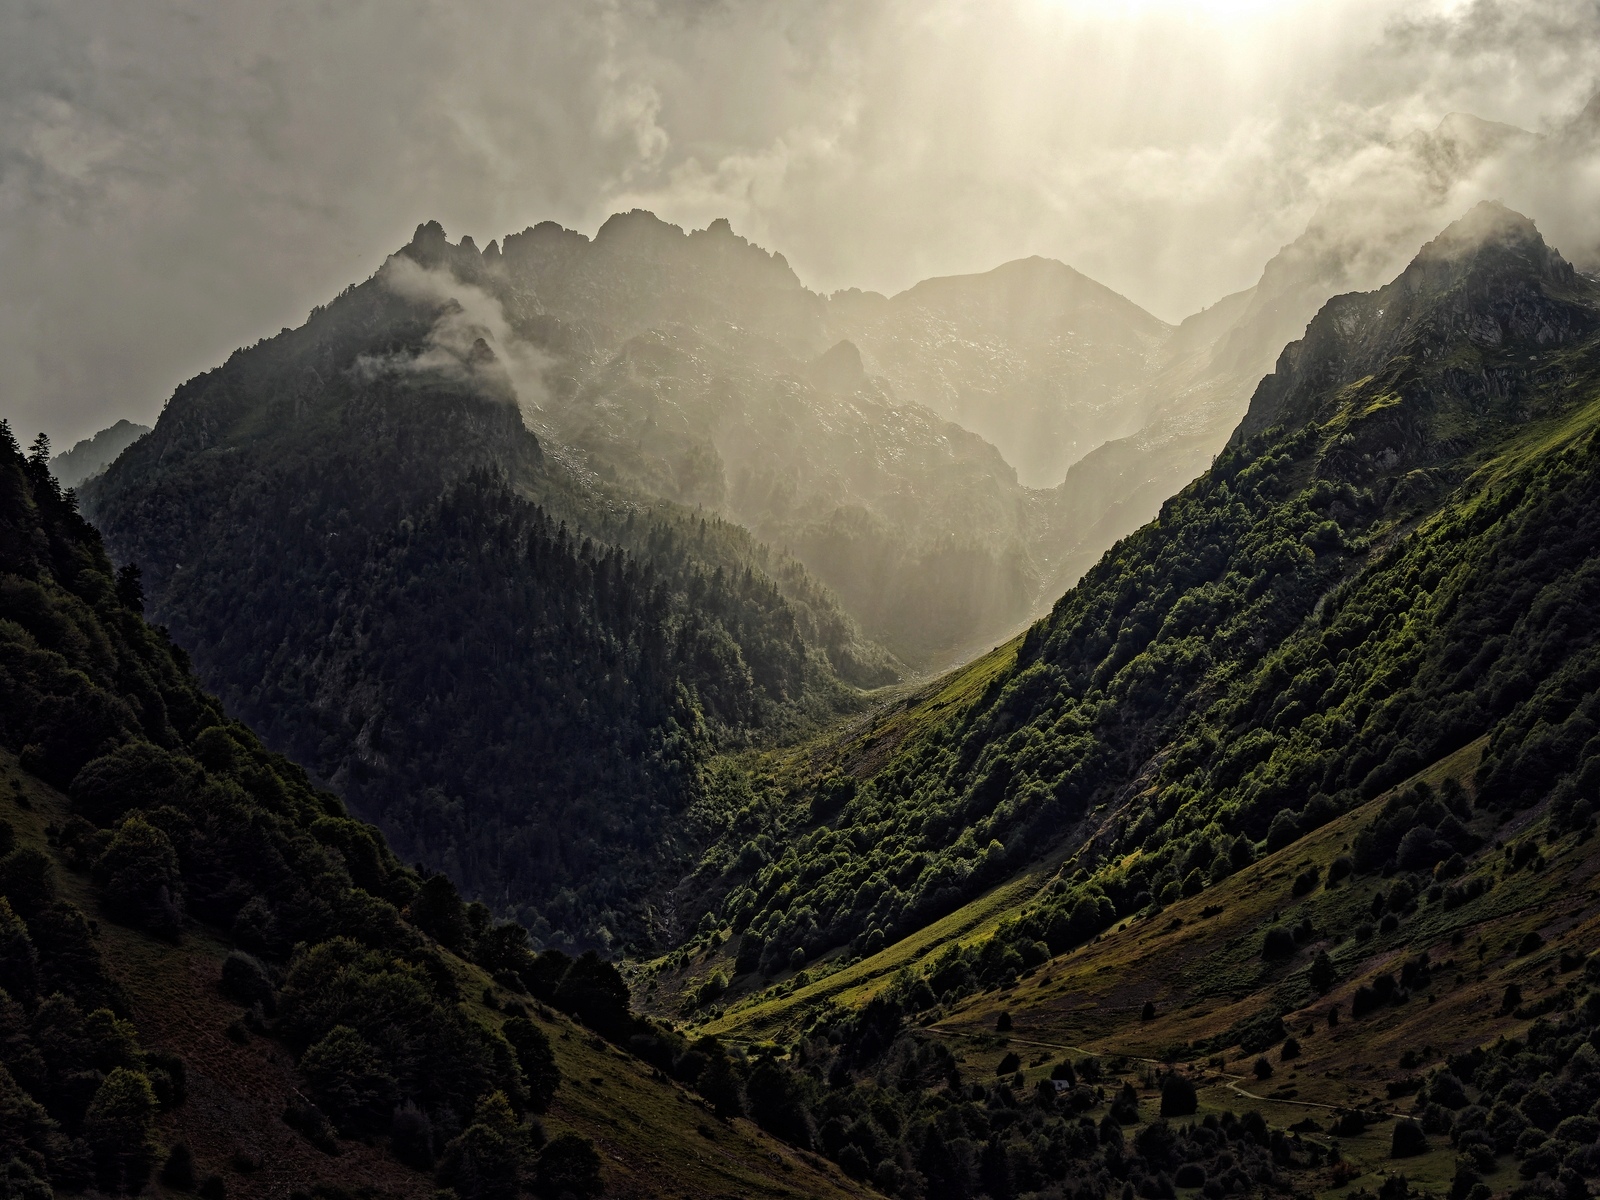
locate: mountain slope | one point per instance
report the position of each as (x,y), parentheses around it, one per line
(513,671)
(1208,371)
(212,978)
(696,367)
(1365,586)
(94,454)
(1034,357)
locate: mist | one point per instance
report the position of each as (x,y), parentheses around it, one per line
(179,179)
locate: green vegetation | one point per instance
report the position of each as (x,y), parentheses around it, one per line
(517,676)
(1307,624)
(178,835)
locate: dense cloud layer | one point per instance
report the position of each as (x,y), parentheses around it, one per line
(178,178)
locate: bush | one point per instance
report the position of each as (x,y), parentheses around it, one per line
(592,990)
(28,881)
(1409,1140)
(178,1171)
(1178,1098)
(487,1161)
(346,1077)
(537,1060)
(1277,944)
(1284,830)
(1290,1050)
(1189,1175)
(140,877)
(245,980)
(120,1130)
(568,1168)
(1008,1064)
(1262,1069)
(411,1137)
(1002,1023)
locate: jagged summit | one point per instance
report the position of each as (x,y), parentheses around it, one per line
(1488,281)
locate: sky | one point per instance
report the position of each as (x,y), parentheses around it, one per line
(178,179)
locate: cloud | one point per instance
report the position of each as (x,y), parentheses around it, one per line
(470,339)
(177,179)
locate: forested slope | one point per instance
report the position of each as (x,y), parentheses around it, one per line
(1393,559)
(515,672)
(212,979)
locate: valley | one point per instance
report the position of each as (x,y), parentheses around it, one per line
(1263,862)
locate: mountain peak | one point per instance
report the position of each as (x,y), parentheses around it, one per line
(1487,284)
(1487,223)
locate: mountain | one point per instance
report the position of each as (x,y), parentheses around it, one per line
(697,369)
(94,454)
(213,980)
(1297,745)
(1039,360)
(514,671)
(1218,670)
(1202,382)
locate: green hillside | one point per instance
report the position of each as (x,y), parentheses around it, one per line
(213,980)
(515,672)
(1321,736)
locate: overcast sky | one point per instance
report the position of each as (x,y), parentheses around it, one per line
(178,179)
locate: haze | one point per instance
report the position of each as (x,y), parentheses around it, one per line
(180,179)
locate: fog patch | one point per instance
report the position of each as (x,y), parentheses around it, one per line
(470,342)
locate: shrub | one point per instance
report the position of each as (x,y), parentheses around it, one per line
(1277,944)
(488,1160)
(537,1060)
(1321,976)
(411,1137)
(245,980)
(1178,1098)
(28,881)
(347,1078)
(569,1167)
(1189,1175)
(140,877)
(120,1130)
(1008,1064)
(1003,1022)
(178,1171)
(1285,829)
(1262,1069)
(1409,1140)
(1290,1050)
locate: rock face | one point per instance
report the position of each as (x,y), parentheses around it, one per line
(1033,356)
(1489,280)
